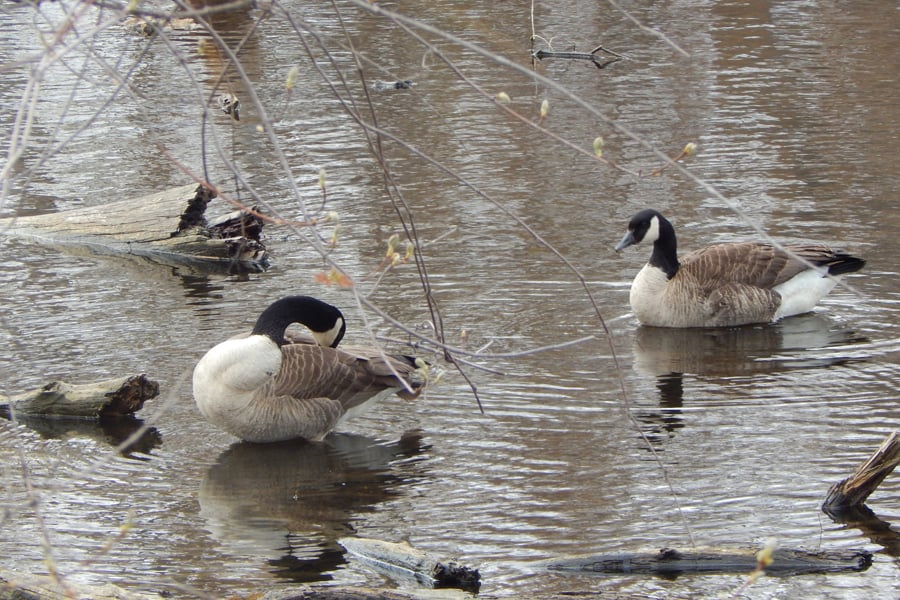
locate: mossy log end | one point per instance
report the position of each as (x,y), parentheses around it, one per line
(853,491)
(669,562)
(98,400)
(169,227)
(403,558)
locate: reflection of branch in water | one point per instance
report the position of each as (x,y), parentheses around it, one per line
(864,518)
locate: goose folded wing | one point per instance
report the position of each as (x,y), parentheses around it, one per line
(310,371)
(754,264)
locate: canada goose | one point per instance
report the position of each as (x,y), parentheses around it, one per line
(264,387)
(725,285)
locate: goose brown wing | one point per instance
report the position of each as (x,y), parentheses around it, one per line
(753,264)
(310,371)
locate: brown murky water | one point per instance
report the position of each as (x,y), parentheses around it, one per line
(793,106)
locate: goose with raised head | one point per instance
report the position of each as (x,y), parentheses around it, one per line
(728,284)
(269,386)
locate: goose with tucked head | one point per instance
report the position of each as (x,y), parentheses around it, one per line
(728,284)
(269,386)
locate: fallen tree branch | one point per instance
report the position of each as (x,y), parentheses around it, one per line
(673,562)
(853,491)
(102,399)
(599,61)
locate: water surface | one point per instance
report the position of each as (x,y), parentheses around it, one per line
(792,106)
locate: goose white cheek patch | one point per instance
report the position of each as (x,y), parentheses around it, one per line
(326,338)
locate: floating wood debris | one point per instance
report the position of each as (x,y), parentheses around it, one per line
(669,562)
(101,399)
(403,558)
(598,60)
(168,227)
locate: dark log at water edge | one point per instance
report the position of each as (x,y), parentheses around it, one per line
(168,227)
(669,562)
(853,491)
(97,400)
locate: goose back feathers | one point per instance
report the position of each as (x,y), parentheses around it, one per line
(727,284)
(269,386)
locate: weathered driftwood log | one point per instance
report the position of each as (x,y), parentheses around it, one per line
(670,562)
(100,399)
(168,227)
(401,557)
(854,490)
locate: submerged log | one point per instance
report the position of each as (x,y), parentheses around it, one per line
(102,399)
(669,562)
(853,491)
(403,558)
(168,227)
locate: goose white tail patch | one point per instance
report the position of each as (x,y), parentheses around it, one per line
(801,293)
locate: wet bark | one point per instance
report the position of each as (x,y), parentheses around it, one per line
(169,227)
(101,399)
(669,562)
(853,491)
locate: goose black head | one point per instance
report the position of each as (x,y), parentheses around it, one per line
(325,321)
(644,226)
(650,226)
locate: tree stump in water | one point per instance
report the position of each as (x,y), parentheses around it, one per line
(168,227)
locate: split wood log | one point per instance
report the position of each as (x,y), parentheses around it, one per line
(102,399)
(669,562)
(168,227)
(403,558)
(853,491)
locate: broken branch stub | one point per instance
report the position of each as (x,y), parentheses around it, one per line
(854,490)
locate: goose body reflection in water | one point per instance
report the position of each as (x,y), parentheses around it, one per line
(669,354)
(289,502)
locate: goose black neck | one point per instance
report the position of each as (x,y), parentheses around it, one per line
(306,310)
(665,249)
